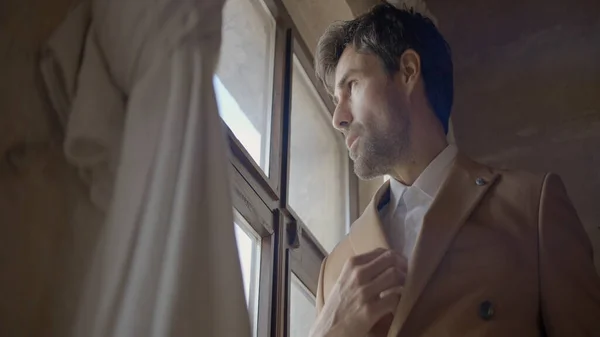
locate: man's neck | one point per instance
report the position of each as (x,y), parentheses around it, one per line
(408,171)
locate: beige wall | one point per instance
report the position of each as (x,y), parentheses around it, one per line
(39,191)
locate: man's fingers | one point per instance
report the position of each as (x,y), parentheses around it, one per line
(392,291)
(385,281)
(369,256)
(359,260)
(401,262)
(384,261)
(381,307)
(363,269)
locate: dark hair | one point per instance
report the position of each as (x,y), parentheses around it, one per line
(388,32)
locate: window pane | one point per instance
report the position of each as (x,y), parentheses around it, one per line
(248,245)
(318,164)
(302,309)
(243,80)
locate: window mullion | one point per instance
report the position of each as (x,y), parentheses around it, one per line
(279,80)
(282,258)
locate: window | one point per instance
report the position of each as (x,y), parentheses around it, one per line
(302,308)
(318,163)
(244,76)
(305,262)
(248,244)
(289,168)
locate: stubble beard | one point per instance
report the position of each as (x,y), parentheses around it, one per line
(380,149)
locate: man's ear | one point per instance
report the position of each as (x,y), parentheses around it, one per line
(410,68)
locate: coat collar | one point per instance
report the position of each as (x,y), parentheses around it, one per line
(466,184)
(366,232)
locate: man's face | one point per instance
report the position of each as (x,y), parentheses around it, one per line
(372,112)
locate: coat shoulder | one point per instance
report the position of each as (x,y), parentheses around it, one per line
(520,182)
(516,192)
(515,180)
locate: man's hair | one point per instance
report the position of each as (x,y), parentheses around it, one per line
(388,32)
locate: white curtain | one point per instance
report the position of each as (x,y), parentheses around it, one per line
(143,128)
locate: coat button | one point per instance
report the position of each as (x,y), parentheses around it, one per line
(480,181)
(486,310)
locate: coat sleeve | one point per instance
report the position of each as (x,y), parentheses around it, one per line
(569,283)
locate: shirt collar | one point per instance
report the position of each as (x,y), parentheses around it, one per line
(431,178)
(397,190)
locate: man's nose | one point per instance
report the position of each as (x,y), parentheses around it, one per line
(342,117)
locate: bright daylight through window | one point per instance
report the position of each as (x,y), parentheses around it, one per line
(318,164)
(243,83)
(243,92)
(302,308)
(249,252)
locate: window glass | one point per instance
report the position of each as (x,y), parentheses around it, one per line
(318,164)
(302,309)
(248,244)
(243,79)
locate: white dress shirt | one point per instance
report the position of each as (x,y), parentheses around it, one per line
(402,217)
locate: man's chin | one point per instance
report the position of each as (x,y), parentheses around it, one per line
(364,171)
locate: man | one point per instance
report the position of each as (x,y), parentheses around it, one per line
(448,247)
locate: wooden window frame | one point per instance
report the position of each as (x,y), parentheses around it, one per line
(262,199)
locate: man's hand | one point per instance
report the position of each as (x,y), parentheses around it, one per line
(368,288)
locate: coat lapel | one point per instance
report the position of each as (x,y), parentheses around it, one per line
(366,233)
(464,187)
